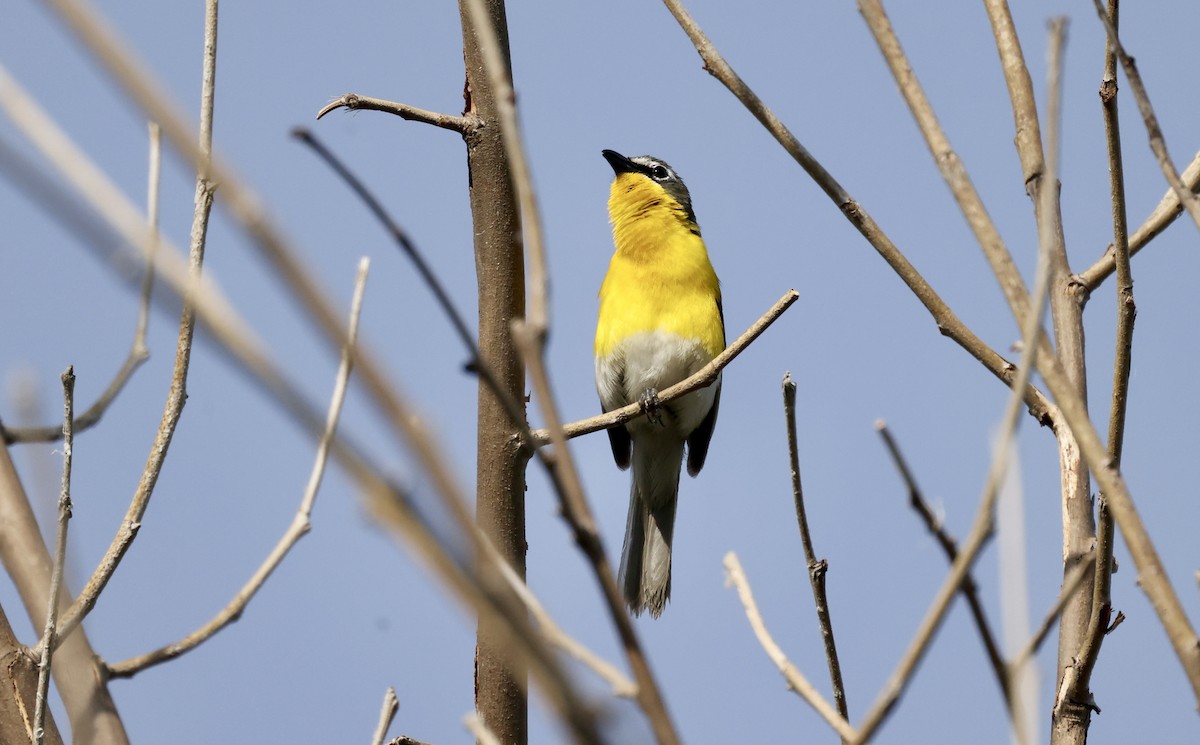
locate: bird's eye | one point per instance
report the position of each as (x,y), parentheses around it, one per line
(660,173)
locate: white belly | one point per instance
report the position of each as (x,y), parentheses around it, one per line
(655,360)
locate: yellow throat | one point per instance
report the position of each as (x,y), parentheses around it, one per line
(660,277)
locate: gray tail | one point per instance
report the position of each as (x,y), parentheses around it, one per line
(645,571)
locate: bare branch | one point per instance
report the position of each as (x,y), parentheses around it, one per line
(356,102)
(816,569)
(947,322)
(1122,362)
(387,713)
(969,589)
(60,556)
(795,679)
(701,379)
(1157,143)
(1156,222)
(301,523)
(177,395)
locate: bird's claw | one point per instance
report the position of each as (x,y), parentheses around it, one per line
(651,406)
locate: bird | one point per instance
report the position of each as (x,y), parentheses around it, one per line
(660,320)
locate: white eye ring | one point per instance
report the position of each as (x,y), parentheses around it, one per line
(660,173)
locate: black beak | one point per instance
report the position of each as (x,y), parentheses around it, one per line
(619,163)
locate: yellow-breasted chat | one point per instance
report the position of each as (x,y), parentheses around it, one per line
(660,321)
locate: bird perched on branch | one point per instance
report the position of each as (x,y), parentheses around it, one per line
(660,321)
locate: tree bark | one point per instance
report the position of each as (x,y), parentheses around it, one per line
(500,268)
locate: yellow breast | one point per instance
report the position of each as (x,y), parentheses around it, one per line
(660,277)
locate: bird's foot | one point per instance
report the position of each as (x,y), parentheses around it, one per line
(651,406)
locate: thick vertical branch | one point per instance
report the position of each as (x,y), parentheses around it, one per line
(500,466)
(1066,308)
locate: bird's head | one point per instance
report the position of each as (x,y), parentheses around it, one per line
(643,179)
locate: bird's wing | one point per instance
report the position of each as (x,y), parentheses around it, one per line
(698,440)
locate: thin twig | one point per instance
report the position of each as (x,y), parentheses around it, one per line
(1122,362)
(60,556)
(301,523)
(1157,143)
(177,395)
(622,686)
(969,589)
(138,353)
(795,679)
(947,322)
(1071,584)
(701,379)
(356,102)
(387,713)
(428,276)
(816,568)
(1159,219)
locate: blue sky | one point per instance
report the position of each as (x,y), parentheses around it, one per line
(350,612)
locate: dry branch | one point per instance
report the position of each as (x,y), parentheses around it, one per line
(301,523)
(947,322)
(356,102)
(795,679)
(969,589)
(816,569)
(49,635)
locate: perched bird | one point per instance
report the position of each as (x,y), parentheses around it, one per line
(660,321)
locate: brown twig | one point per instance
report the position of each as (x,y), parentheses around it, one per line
(947,322)
(816,569)
(795,679)
(701,379)
(969,589)
(301,523)
(356,102)
(1156,222)
(1157,143)
(387,713)
(50,634)
(1122,360)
